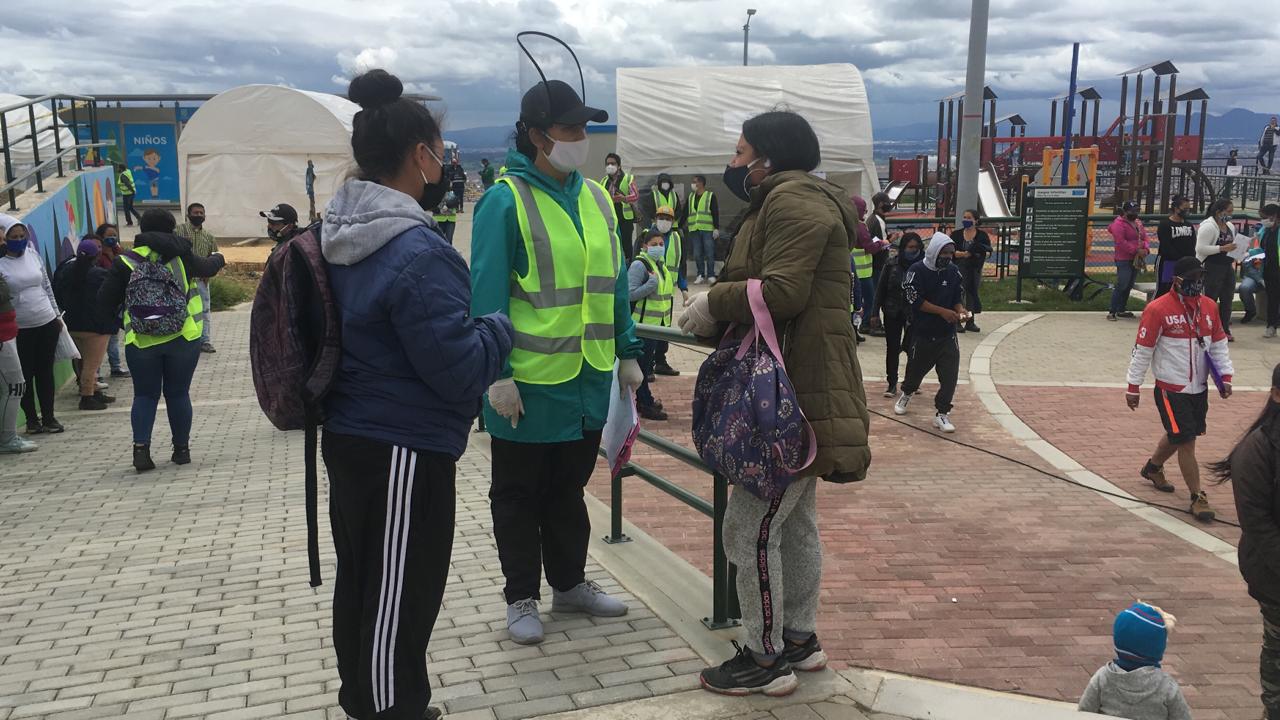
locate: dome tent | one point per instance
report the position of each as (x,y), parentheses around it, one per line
(246,149)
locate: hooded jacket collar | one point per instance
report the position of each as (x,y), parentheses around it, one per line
(936,243)
(363,217)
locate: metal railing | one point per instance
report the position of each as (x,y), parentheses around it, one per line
(724,596)
(13,179)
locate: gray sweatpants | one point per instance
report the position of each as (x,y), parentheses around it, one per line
(12,388)
(776,549)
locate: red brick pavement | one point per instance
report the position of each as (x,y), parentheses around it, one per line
(1037,568)
(1094,427)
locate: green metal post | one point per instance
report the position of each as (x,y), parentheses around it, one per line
(615,510)
(723,594)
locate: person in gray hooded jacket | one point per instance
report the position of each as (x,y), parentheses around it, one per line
(413,368)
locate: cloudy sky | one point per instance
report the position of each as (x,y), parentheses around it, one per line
(911,51)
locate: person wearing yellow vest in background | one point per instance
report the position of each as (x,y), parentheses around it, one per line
(621,187)
(127,188)
(446,215)
(664,219)
(702,223)
(652,287)
(861,264)
(545,252)
(165,364)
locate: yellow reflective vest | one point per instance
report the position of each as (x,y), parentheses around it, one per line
(624,186)
(675,251)
(562,309)
(671,200)
(192,328)
(700,212)
(656,308)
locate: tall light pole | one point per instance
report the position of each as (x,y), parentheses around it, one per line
(971,120)
(746,35)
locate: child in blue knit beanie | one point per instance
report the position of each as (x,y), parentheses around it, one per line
(1133,685)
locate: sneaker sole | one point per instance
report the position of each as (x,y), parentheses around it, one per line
(526,641)
(562,608)
(899,411)
(813,663)
(780,687)
(891,395)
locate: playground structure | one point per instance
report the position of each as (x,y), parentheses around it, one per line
(1141,155)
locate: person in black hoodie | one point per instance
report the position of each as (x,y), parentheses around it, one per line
(895,309)
(934,288)
(1254,467)
(76,285)
(1269,241)
(161,364)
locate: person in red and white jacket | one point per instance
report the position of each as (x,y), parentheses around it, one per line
(1181,339)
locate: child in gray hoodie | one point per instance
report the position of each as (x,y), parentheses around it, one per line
(1133,685)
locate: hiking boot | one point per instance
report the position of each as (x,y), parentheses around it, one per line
(108,399)
(806,656)
(17,445)
(181,455)
(943,423)
(208,348)
(588,598)
(53,427)
(523,623)
(742,675)
(665,369)
(892,390)
(652,413)
(117,372)
(91,402)
(1155,474)
(142,458)
(972,327)
(1111,317)
(900,407)
(1270,332)
(1201,508)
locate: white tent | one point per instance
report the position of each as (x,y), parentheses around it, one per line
(18,126)
(687,120)
(246,149)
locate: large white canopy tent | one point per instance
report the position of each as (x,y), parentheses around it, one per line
(246,149)
(687,120)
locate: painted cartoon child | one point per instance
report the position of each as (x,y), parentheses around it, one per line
(151,157)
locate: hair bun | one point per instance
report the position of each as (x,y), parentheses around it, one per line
(375,89)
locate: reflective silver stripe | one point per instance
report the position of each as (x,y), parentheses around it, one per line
(604,285)
(606,209)
(598,331)
(548,300)
(538,237)
(546,345)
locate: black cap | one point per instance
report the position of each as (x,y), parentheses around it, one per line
(281,213)
(555,102)
(1131,205)
(1187,266)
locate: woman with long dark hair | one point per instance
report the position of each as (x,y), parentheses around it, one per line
(1254,469)
(973,246)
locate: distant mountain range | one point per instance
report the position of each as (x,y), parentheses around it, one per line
(1233,124)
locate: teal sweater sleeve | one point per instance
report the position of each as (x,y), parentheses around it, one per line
(496,248)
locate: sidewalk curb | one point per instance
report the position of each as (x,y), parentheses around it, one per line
(921,699)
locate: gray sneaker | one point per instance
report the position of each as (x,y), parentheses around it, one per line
(17,445)
(523,622)
(1270,332)
(587,598)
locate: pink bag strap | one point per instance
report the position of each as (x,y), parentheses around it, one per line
(764,328)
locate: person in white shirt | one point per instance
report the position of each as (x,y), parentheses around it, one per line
(39,326)
(1215,239)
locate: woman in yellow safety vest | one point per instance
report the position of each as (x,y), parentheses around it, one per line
(621,187)
(161,364)
(652,286)
(545,253)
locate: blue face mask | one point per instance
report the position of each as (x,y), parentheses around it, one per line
(657,252)
(16,247)
(966,224)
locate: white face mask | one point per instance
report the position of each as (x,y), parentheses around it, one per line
(663,226)
(665,187)
(568,156)
(1268,223)
(610,169)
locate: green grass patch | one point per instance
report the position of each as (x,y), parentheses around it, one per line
(228,290)
(1044,296)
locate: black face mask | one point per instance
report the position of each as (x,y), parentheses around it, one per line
(736,179)
(196,220)
(432,194)
(911,256)
(943,262)
(1192,288)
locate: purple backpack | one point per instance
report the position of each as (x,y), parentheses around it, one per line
(294,348)
(747,424)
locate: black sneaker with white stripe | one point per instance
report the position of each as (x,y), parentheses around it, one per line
(742,675)
(807,656)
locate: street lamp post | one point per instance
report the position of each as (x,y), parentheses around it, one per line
(971,122)
(746,35)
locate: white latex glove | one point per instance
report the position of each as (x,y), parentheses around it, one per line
(697,319)
(629,375)
(504,396)
(715,234)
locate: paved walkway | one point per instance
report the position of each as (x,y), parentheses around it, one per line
(183,592)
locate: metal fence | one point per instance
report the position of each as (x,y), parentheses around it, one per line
(13,179)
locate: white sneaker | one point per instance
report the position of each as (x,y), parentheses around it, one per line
(102,385)
(699,280)
(523,622)
(587,598)
(1269,333)
(943,423)
(18,445)
(713,280)
(900,407)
